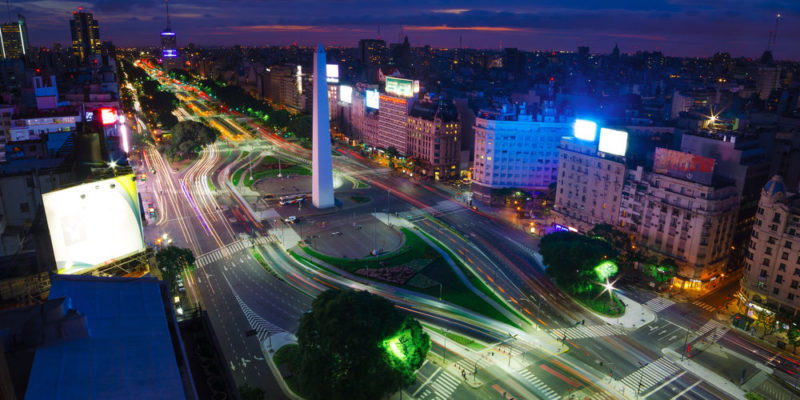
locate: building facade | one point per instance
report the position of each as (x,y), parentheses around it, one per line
(393,122)
(85,35)
(14,38)
(690,222)
(589,185)
(433,135)
(771,278)
(512,150)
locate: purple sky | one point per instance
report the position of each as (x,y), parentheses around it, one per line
(676,27)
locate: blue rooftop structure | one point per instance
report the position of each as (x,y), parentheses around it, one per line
(128,352)
(775,186)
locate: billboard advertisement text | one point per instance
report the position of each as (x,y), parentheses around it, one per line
(682,165)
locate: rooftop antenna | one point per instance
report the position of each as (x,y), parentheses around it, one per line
(8,8)
(169,24)
(379,31)
(460,42)
(775,31)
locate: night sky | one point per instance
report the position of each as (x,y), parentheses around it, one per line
(678,27)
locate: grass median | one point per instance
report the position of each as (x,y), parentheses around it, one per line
(436,272)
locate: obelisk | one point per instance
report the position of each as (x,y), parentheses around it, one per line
(321,164)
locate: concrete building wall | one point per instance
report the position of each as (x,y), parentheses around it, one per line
(772,271)
(589,186)
(393,123)
(517,153)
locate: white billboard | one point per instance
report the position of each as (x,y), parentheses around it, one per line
(373,99)
(345,94)
(585,130)
(332,72)
(613,141)
(94,223)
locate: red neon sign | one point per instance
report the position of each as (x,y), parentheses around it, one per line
(108,116)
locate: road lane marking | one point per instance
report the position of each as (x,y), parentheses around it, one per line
(686,390)
(663,384)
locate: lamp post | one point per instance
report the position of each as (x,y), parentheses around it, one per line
(444,352)
(641,376)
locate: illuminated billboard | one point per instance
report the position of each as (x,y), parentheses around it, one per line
(683,165)
(332,72)
(585,130)
(94,223)
(108,116)
(400,87)
(345,94)
(613,141)
(372,99)
(170,53)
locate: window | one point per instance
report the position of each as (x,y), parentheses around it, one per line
(763,273)
(777,218)
(787,245)
(768,251)
(778,278)
(776,291)
(797,272)
(790,296)
(785,256)
(765,262)
(782,267)
(794,284)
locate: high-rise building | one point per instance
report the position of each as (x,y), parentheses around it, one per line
(514,150)
(740,157)
(393,122)
(14,38)
(433,131)
(768,76)
(168,40)
(372,52)
(85,35)
(771,279)
(681,210)
(590,181)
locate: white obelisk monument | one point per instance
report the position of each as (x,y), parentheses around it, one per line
(321,164)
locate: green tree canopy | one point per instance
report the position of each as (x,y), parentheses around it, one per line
(172,260)
(189,136)
(571,258)
(356,345)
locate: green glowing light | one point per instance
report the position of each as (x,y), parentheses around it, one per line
(605,270)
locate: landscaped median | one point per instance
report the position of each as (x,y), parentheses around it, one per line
(267,167)
(418,267)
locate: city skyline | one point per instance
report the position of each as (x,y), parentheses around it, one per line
(676,29)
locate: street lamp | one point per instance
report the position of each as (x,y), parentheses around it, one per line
(641,376)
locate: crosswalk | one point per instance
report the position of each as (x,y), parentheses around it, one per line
(228,250)
(658,304)
(711,325)
(651,374)
(588,331)
(469,365)
(262,327)
(440,387)
(538,384)
(443,207)
(704,306)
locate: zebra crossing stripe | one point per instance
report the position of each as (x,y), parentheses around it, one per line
(651,374)
(530,377)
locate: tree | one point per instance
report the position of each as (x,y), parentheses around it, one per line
(356,345)
(248,392)
(188,136)
(793,335)
(172,260)
(572,259)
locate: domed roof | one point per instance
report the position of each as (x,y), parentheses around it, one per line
(775,186)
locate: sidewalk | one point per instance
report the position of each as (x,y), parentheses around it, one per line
(636,314)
